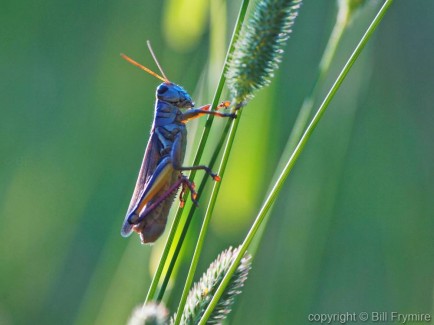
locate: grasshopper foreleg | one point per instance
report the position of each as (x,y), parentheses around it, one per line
(197,112)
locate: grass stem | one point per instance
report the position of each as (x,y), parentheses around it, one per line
(290,163)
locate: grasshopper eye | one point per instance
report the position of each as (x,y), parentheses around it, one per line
(162,89)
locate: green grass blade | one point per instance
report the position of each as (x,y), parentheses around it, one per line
(299,148)
(201,147)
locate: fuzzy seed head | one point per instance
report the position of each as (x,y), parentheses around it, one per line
(259,48)
(150,314)
(202,292)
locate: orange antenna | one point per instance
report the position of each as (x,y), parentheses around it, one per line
(145,68)
(156,61)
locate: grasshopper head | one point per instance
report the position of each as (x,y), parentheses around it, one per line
(174,94)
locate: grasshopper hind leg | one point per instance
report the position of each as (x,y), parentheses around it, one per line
(151,221)
(127,229)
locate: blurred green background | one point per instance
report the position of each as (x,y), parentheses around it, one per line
(352,230)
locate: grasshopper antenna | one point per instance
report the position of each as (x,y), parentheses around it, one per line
(152,73)
(156,61)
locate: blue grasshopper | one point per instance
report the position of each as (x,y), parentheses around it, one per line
(160,174)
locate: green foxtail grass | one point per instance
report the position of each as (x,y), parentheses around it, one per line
(201,293)
(259,48)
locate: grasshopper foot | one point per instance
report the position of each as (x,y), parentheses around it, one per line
(224,104)
(181,202)
(216,177)
(193,193)
(195,202)
(186,183)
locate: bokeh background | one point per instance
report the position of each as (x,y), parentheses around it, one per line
(352,230)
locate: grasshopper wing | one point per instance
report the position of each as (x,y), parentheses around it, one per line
(149,163)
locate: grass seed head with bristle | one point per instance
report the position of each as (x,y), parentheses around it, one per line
(259,48)
(150,314)
(202,292)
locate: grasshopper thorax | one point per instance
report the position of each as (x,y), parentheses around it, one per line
(174,94)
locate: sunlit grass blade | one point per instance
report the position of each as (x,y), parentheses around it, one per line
(290,164)
(158,273)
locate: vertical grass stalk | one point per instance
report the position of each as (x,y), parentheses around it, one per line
(206,220)
(169,242)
